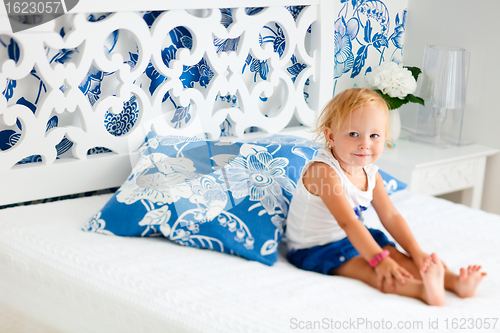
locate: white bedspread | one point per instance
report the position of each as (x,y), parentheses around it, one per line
(86,282)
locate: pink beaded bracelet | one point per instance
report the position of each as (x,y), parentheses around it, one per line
(378,258)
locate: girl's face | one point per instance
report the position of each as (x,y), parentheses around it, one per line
(360,138)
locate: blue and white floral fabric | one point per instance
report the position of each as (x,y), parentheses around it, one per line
(230,197)
(391,184)
(367,33)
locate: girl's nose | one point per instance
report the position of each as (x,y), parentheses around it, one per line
(364,144)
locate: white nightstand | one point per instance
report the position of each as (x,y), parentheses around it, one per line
(435,171)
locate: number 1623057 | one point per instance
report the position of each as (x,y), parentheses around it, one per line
(33,7)
(471,323)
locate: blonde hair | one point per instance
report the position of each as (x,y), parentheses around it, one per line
(342,106)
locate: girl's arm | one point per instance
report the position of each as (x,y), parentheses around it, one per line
(321,180)
(395,223)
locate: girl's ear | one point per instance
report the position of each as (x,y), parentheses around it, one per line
(329,136)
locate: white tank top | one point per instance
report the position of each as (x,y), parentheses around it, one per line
(309,222)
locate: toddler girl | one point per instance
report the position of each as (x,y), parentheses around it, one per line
(325,232)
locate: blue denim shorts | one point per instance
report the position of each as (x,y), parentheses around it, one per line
(328,257)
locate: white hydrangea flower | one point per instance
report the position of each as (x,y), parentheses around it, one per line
(392,79)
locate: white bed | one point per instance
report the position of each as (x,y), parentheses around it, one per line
(74,281)
(85,282)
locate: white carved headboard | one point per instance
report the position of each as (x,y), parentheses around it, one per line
(262,84)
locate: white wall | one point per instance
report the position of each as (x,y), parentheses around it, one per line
(473,25)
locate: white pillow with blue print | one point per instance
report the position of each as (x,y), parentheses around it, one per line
(230,197)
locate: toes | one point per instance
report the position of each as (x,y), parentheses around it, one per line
(425,265)
(472,269)
(435,258)
(463,272)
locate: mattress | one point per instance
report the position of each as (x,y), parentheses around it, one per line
(86,282)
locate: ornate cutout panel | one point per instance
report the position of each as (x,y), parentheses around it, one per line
(103,80)
(98,83)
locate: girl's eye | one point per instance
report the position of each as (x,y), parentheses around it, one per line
(353,134)
(374,136)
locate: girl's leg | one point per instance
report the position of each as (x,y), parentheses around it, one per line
(464,285)
(429,289)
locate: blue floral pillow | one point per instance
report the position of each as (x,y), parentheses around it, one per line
(230,197)
(392,184)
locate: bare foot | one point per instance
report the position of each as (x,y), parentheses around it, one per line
(432,273)
(468,280)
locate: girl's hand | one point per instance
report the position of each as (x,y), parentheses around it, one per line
(388,270)
(419,259)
